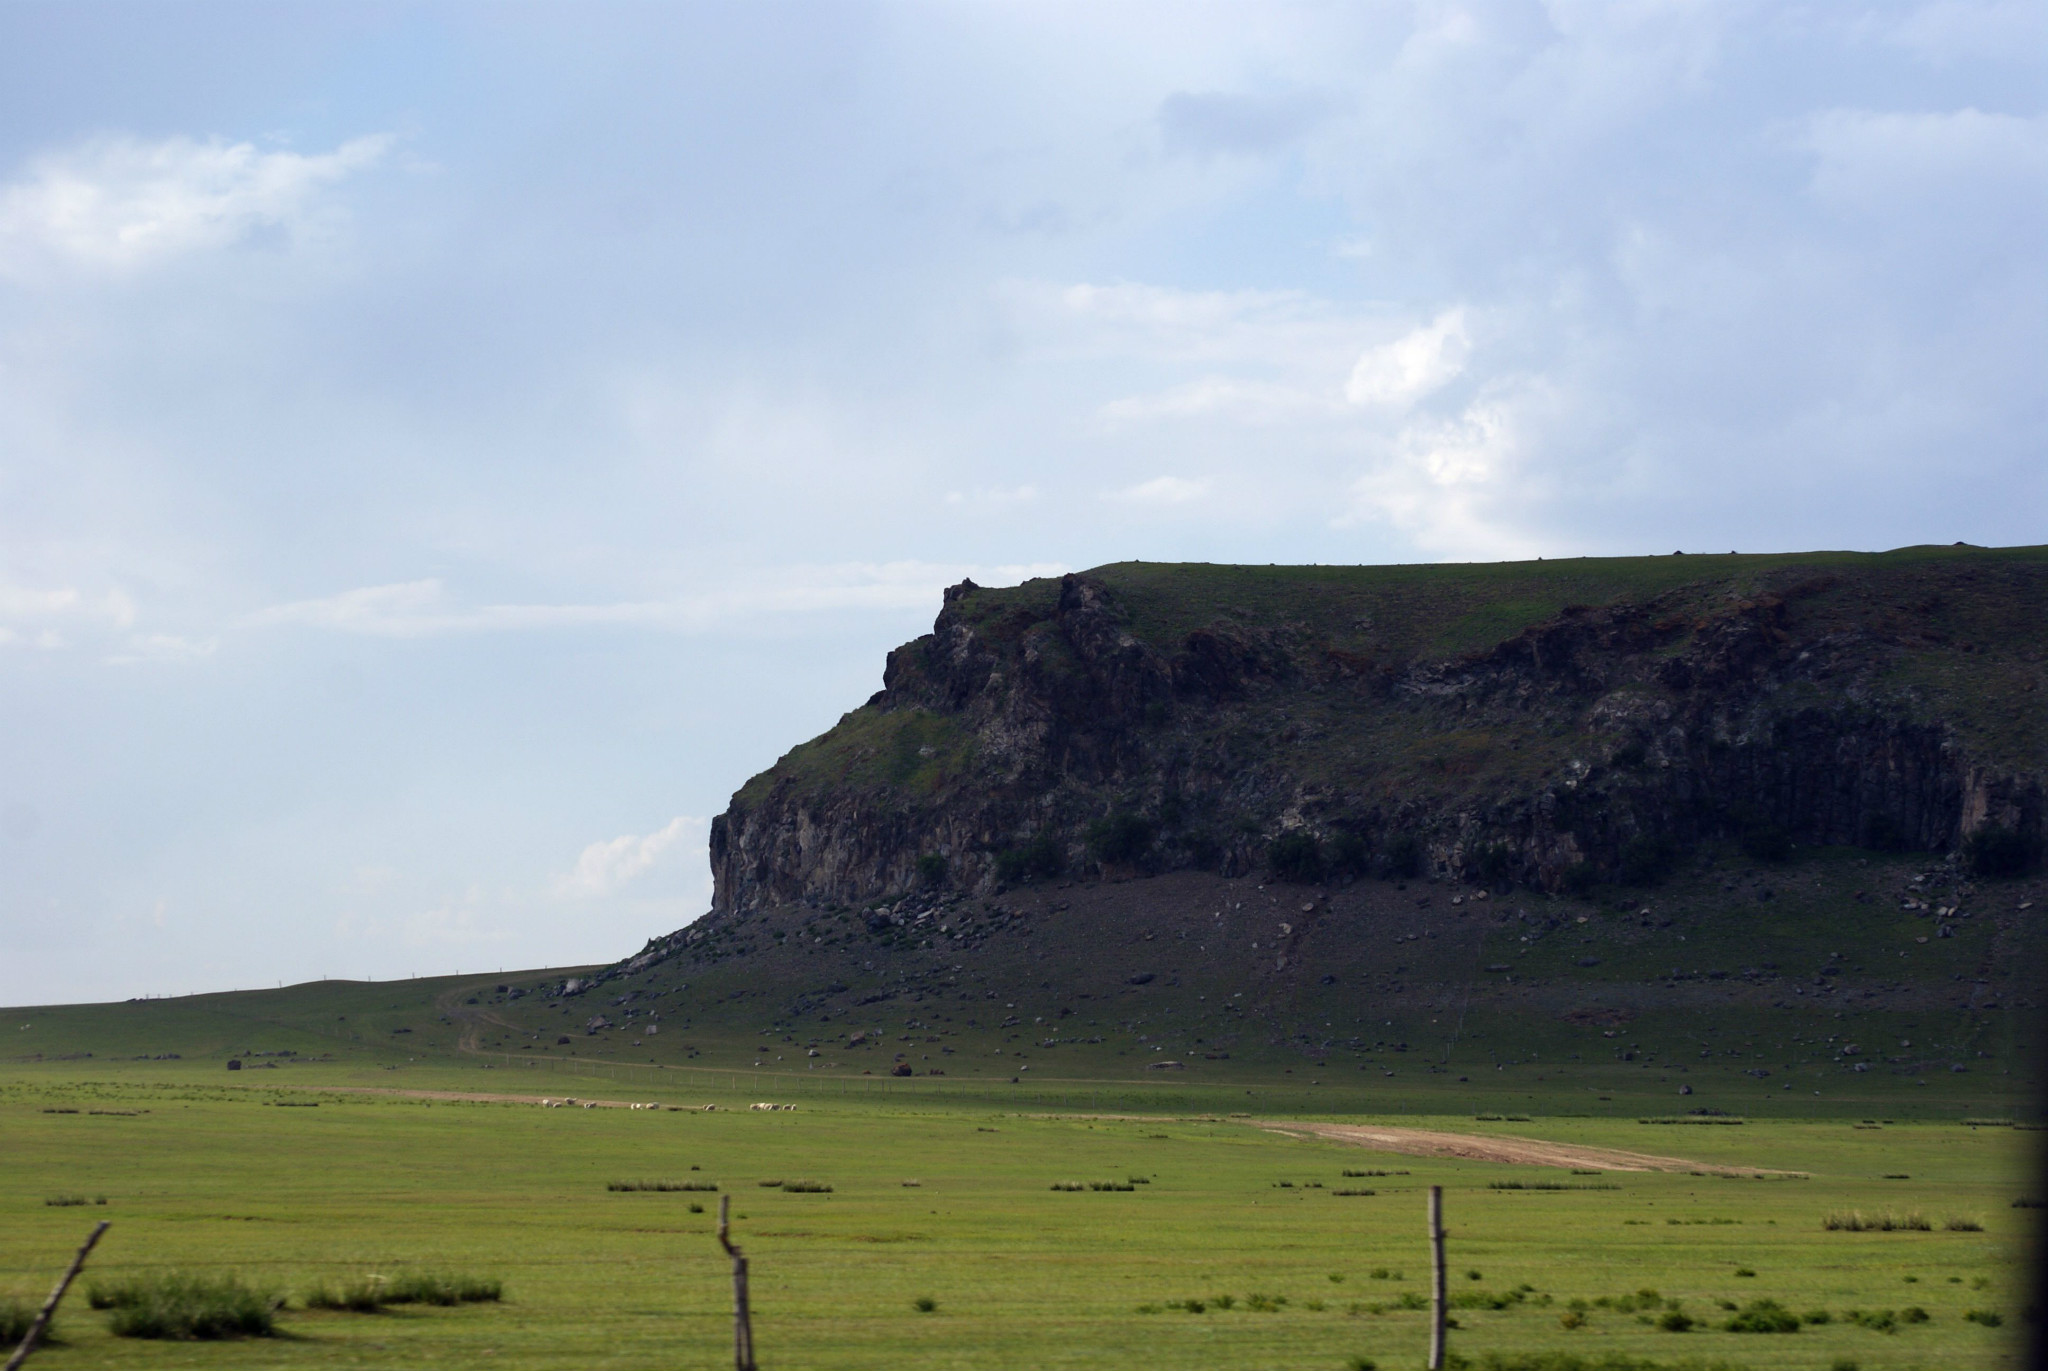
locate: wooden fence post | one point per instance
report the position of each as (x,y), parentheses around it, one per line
(1436,1290)
(42,1319)
(742,1317)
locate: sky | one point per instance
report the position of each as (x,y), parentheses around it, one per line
(445,449)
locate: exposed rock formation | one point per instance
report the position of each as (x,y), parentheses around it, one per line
(1466,720)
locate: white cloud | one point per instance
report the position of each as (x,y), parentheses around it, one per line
(417,609)
(1208,123)
(993,497)
(1458,487)
(1880,161)
(20,604)
(119,203)
(1221,397)
(1405,370)
(1951,31)
(53,619)
(162,647)
(1162,490)
(1263,357)
(607,866)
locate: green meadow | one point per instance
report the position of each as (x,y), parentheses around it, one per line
(1224,1244)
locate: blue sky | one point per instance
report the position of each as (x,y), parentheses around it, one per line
(445,449)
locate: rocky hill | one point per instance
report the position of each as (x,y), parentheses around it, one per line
(1552,726)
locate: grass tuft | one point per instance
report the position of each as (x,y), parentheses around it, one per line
(186,1306)
(661,1185)
(807,1187)
(1763,1316)
(1883,1221)
(1568,1361)
(368,1294)
(15,1316)
(1957,1224)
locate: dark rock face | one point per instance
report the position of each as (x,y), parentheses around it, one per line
(1808,709)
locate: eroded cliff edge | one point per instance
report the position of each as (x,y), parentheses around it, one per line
(1546,723)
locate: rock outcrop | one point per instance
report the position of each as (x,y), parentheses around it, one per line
(1469,721)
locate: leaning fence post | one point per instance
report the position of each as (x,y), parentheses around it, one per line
(742,1318)
(1436,1289)
(42,1319)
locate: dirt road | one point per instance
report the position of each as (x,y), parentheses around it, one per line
(1422,1142)
(469,1095)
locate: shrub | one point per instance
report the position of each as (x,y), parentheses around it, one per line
(1579,878)
(1844,1364)
(1265,1304)
(1122,838)
(806,1188)
(1763,1316)
(362,1295)
(1675,1321)
(1646,859)
(931,870)
(368,1294)
(1487,1299)
(186,1306)
(1203,849)
(1039,858)
(1361,1364)
(1877,1320)
(924,1304)
(1995,851)
(1496,864)
(661,1185)
(1567,1361)
(1296,857)
(1348,854)
(441,1288)
(1957,1224)
(1987,1317)
(1404,856)
(1884,1221)
(15,1317)
(1763,841)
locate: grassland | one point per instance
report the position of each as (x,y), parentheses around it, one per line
(944,1191)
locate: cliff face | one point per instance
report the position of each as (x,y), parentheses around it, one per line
(1544,723)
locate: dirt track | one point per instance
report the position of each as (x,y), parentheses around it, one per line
(1420,1142)
(461,1095)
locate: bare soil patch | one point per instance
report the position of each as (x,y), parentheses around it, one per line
(1422,1142)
